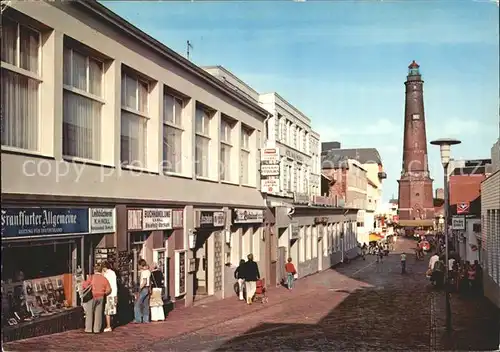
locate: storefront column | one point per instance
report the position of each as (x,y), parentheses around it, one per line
(189,228)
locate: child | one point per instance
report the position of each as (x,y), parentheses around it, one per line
(290,273)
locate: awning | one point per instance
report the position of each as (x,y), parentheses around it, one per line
(375,237)
(416,223)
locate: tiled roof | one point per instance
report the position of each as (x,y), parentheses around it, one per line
(362,155)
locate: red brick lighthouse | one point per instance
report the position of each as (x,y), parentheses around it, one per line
(415,184)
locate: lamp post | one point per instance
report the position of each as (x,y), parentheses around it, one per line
(445,147)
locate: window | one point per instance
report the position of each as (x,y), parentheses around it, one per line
(82,105)
(134,119)
(245,155)
(20,85)
(225,149)
(202,126)
(172,133)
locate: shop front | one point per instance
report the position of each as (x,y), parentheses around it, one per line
(208,253)
(155,235)
(248,236)
(46,251)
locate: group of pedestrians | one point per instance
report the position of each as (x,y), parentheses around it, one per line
(247,274)
(99,295)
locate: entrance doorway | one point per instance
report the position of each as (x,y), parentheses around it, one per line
(201,256)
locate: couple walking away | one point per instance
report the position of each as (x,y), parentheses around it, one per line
(99,296)
(247,274)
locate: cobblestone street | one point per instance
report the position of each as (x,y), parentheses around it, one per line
(363,305)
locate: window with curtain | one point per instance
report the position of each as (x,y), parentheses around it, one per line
(245,155)
(20,75)
(226,127)
(134,119)
(82,105)
(202,140)
(173,108)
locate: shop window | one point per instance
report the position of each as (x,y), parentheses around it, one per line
(34,281)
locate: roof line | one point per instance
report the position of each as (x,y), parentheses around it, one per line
(165,51)
(222,68)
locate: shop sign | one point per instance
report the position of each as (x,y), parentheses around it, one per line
(463,208)
(301,198)
(156,219)
(177,219)
(134,219)
(270,185)
(269,170)
(102,220)
(270,156)
(458,223)
(212,219)
(37,222)
(294,155)
(248,216)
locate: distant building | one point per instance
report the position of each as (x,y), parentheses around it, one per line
(362,172)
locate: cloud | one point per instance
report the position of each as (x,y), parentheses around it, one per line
(455,127)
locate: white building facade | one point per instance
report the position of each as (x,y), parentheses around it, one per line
(289,131)
(300,223)
(101,124)
(490,228)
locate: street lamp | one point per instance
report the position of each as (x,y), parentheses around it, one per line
(445,147)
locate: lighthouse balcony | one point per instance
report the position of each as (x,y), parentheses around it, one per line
(382,175)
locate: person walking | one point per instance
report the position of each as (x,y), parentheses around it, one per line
(290,273)
(141,307)
(403,263)
(112,297)
(239,275)
(156,298)
(251,275)
(99,287)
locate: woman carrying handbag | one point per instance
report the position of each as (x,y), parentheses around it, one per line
(156,303)
(95,289)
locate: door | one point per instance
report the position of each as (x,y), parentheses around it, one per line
(281,264)
(201,255)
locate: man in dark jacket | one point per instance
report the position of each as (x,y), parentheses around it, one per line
(251,276)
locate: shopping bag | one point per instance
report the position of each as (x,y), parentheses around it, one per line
(296,276)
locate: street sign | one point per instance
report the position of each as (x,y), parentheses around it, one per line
(463,207)
(458,223)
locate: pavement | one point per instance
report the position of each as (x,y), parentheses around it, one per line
(362,306)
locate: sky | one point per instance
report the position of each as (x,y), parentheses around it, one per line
(344,63)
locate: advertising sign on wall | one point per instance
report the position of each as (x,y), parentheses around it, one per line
(156,219)
(270,156)
(248,216)
(37,222)
(270,185)
(211,219)
(102,220)
(269,170)
(134,219)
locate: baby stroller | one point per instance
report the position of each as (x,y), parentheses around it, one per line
(260,292)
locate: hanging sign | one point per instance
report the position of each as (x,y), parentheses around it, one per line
(458,223)
(463,208)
